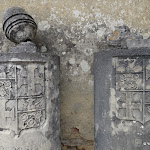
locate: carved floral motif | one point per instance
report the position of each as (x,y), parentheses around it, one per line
(30,120)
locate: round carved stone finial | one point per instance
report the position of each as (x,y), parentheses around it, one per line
(18,25)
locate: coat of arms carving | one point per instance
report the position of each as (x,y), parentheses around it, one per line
(22,96)
(132,84)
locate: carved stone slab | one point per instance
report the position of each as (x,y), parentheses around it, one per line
(29,102)
(122,99)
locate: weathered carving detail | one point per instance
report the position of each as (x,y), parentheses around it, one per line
(130,65)
(31,119)
(132,83)
(128,105)
(5,87)
(22,96)
(129,81)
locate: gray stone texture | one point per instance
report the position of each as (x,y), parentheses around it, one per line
(122,103)
(123,38)
(137,43)
(27,47)
(120,33)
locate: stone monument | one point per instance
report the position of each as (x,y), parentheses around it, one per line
(122,99)
(29,89)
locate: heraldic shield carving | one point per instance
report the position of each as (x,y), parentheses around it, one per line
(29,89)
(22,95)
(132,85)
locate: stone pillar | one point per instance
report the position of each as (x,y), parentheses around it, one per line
(29,89)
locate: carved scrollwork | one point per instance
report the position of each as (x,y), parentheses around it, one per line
(30,120)
(129,81)
(4,88)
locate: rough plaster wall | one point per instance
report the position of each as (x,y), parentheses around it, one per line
(75,29)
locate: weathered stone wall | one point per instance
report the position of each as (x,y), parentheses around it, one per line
(75,29)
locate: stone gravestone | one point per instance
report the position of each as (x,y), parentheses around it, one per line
(29,89)
(122,99)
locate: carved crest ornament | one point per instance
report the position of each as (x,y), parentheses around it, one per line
(132,85)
